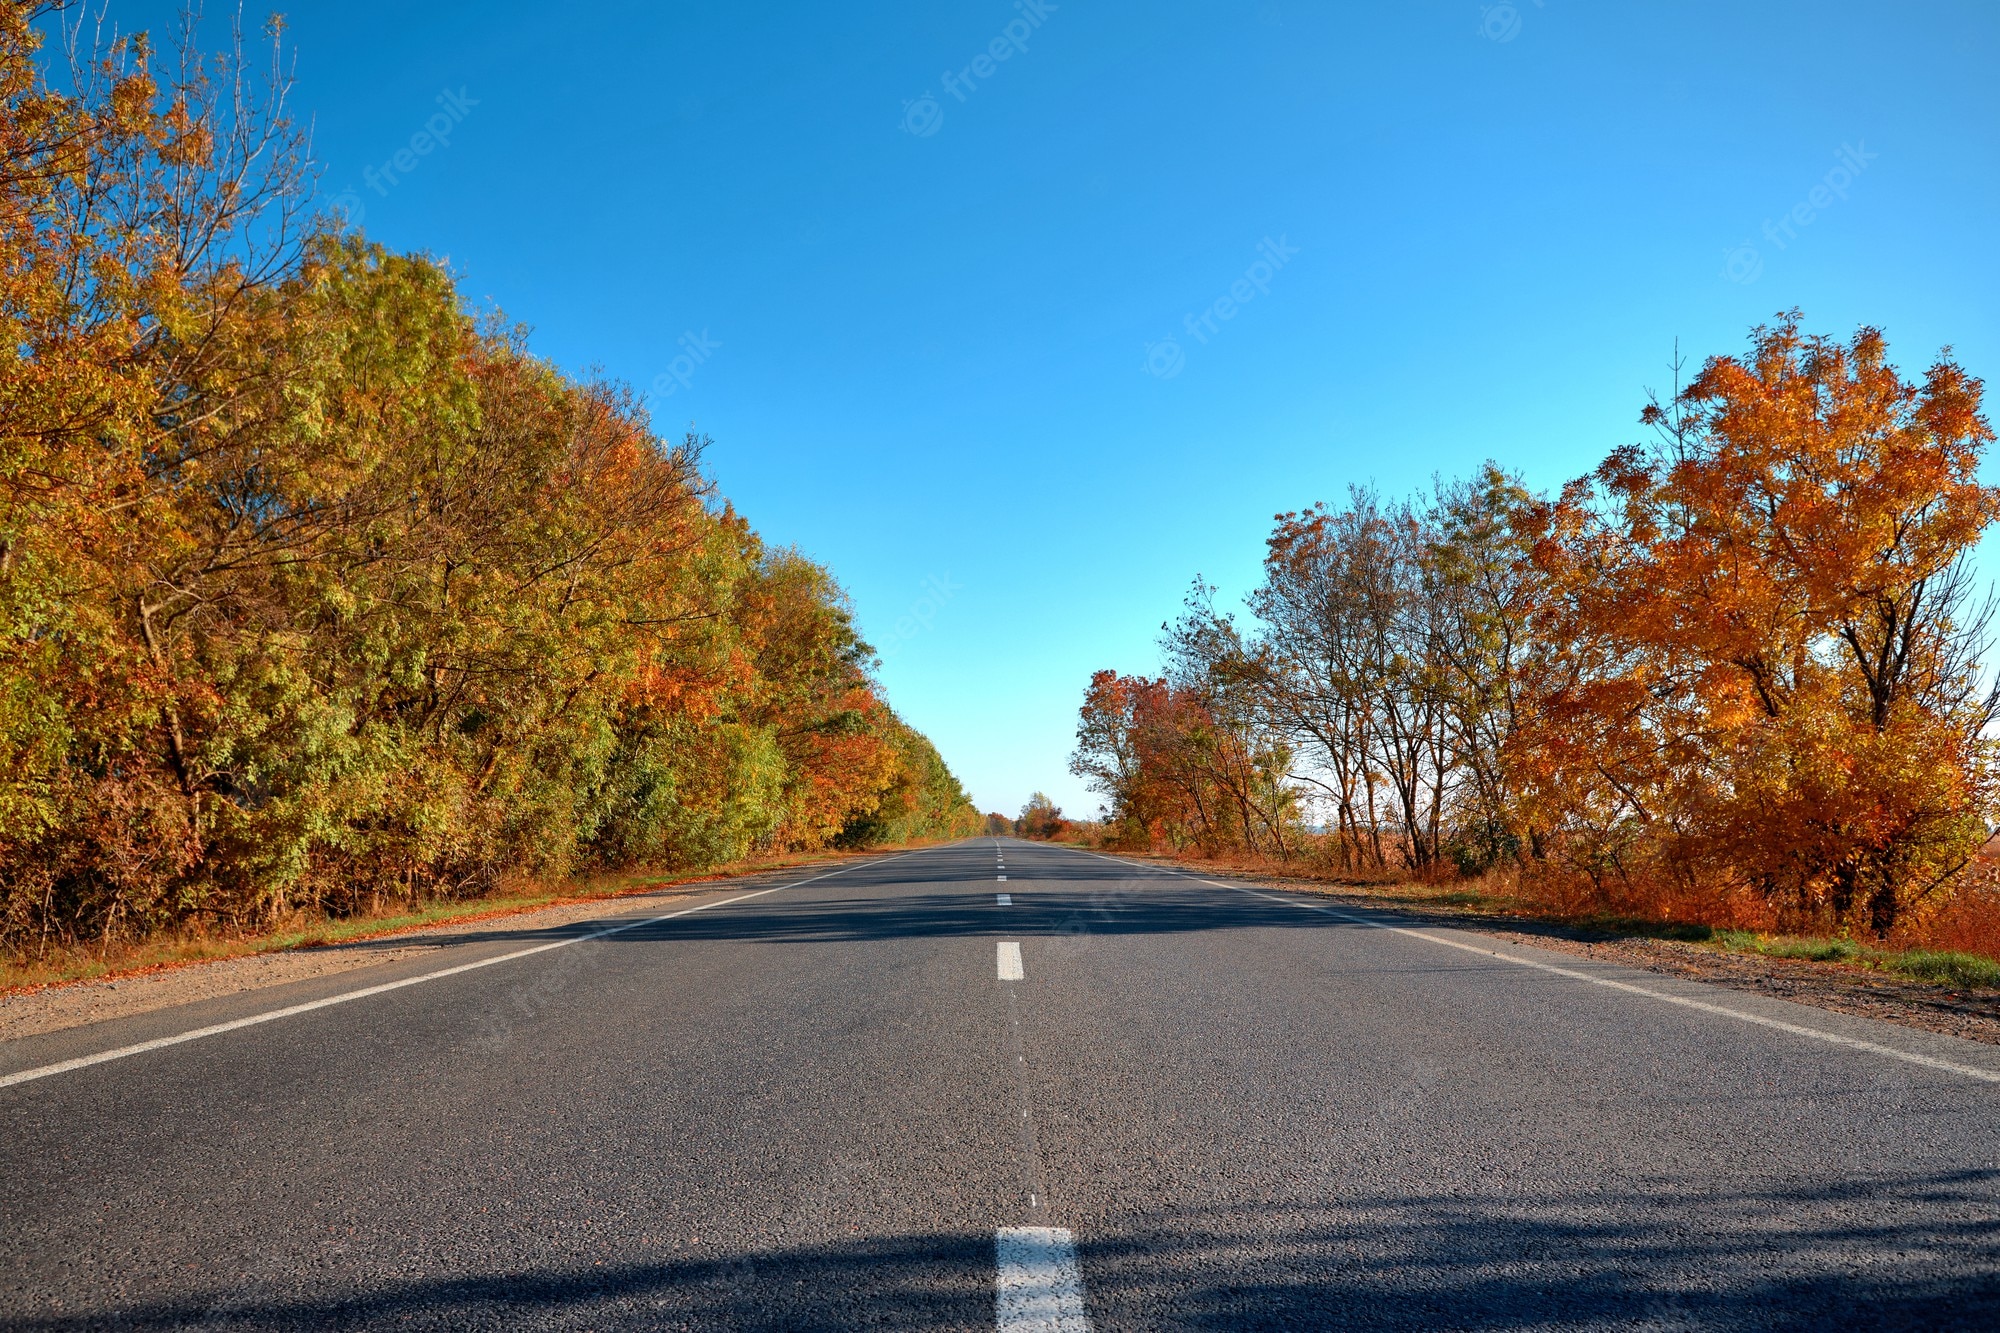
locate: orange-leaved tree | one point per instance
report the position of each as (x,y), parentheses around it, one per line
(1776,684)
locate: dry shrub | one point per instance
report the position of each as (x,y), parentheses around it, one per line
(1572,893)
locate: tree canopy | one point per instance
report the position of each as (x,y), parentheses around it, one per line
(318,588)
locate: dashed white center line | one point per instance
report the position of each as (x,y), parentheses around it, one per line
(1010,961)
(1006,899)
(1039,1288)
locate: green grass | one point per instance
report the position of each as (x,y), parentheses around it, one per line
(1951,969)
(1947,969)
(1961,970)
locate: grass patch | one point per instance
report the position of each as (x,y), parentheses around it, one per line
(1941,967)
(1951,969)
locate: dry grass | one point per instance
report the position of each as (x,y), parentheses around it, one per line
(1957,944)
(94,962)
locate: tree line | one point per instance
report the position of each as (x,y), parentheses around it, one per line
(1041,819)
(318,590)
(1736,672)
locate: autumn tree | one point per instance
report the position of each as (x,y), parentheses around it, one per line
(1487,667)
(1237,766)
(1040,818)
(318,591)
(1739,671)
(1783,686)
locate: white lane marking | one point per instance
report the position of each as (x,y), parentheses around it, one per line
(1009,954)
(1038,1286)
(1006,899)
(273,1015)
(1685,1002)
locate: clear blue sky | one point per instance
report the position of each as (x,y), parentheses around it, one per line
(935,292)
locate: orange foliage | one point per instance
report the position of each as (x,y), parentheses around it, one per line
(1736,676)
(1772,660)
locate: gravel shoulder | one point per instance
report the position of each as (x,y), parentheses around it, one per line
(74,1004)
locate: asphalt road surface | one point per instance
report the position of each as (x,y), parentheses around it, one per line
(913,1094)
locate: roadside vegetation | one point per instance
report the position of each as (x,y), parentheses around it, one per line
(1960,960)
(321,596)
(306,929)
(1735,679)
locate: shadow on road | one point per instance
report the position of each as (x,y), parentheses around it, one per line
(1094,900)
(1883,1253)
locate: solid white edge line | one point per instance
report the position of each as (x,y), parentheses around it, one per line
(1008,956)
(1685,1002)
(1038,1287)
(271,1016)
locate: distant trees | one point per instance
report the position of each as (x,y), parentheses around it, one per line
(1739,668)
(1040,818)
(317,591)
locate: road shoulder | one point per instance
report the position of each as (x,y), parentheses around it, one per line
(1973,1015)
(80,1004)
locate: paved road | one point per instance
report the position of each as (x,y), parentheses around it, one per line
(819,1108)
